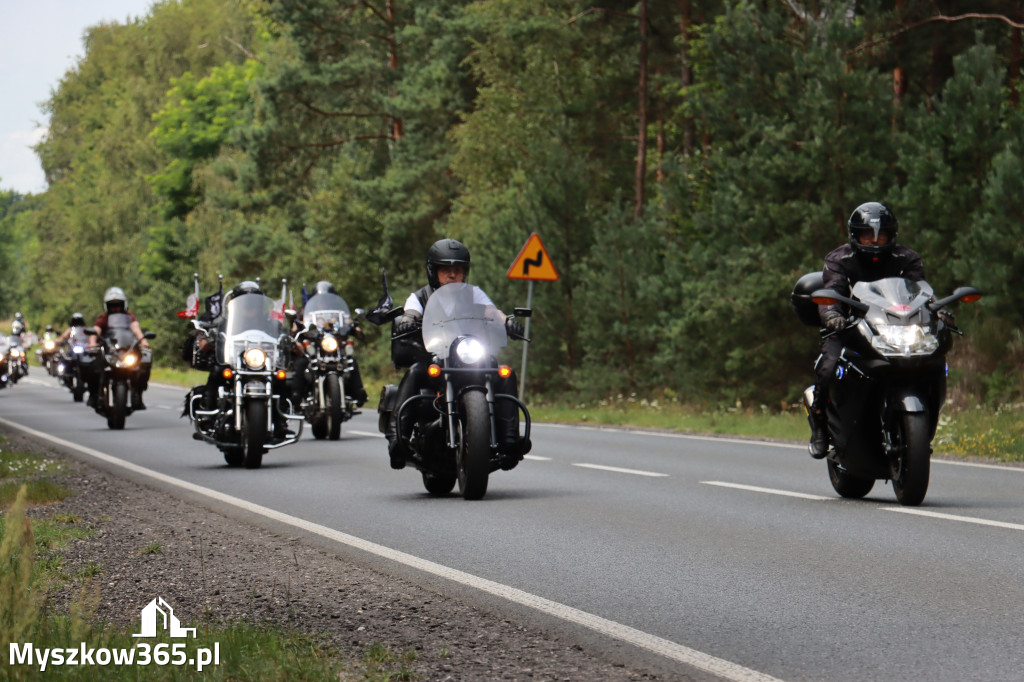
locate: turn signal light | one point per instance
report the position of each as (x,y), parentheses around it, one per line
(434,371)
(504,371)
(971,298)
(227,372)
(281,374)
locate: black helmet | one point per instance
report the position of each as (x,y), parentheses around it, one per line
(77,320)
(243,288)
(324,287)
(49,327)
(877,219)
(446,252)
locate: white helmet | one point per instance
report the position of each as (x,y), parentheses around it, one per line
(115,294)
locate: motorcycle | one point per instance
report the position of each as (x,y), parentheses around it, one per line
(890,382)
(251,354)
(76,361)
(458,440)
(326,341)
(5,364)
(46,355)
(121,359)
(17,361)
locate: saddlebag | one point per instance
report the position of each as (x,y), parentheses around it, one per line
(386,406)
(805,308)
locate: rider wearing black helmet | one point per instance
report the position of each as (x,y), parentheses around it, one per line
(354,385)
(871,254)
(447,262)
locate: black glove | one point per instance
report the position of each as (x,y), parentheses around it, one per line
(947,317)
(514,328)
(404,326)
(835,324)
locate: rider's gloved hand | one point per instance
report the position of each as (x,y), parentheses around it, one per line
(835,324)
(404,326)
(948,318)
(513,328)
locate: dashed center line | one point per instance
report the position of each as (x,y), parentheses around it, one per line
(619,470)
(954,517)
(770,491)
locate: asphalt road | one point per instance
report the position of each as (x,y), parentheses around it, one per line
(737,550)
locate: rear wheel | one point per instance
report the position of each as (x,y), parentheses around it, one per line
(474,453)
(234,457)
(847,485)
(118,409)
(332,398)
(77,387)
(912,466)
(254,433)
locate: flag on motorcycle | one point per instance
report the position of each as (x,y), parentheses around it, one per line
(278,311)
(213,303)
(191,304)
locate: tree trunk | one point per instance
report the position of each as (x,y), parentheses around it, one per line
(641,145)
(396,123)
(686,70)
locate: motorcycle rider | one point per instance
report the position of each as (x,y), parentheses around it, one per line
(18,325)
(354,386)
(115,302)
(448,261)
(206,346)
(871,254)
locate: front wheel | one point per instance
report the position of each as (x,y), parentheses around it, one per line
(438,484)
(847,485)
(118,409)
(474,453)
(332,400)
(912,466)
(77,386)
(254,433)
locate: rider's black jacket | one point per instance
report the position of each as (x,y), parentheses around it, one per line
(844,268)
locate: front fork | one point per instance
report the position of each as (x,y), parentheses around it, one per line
(452,412)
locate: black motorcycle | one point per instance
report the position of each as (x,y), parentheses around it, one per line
(121,358)
(17,358)
(326,341)
(47,353)
(76,362)
(5,361)
(457,439)
(890,382)
(251,355)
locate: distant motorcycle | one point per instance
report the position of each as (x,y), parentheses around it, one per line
(326,341)
(458,441)
(121,360)
(251,357)
(890,382)
(76,361)
(5,361)
(17,360)
(47,353)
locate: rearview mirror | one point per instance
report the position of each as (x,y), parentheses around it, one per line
(523,312)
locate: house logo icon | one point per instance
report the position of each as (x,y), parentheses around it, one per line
(150,620)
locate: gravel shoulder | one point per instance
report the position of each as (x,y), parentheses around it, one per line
(209,565)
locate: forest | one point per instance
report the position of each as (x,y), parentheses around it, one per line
(683,161)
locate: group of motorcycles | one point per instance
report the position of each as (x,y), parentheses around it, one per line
(13,359)
(246,407)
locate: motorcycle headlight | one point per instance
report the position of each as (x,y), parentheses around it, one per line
(129,360)
(910,339)
(329,344)
(49,345)
(254,358)
(15,353)
(470,351)
(78,349)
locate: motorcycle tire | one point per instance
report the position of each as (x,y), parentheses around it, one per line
(254,433)
(473,456)
(77,388)
(332,400)
(848,486)
(437,484)
(119,409)
(912,467)
(234,456)
(319,427)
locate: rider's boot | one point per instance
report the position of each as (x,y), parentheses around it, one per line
(137,403)
(398,451)
(816,417)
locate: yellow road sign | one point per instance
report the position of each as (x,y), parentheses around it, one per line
(533,262)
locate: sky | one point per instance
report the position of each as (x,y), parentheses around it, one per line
(40,41)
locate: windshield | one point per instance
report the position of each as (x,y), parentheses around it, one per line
(893,298)
(451,312)
(119,330)
(328,311)
(248,323)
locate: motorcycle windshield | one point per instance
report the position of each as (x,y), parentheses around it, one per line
(893,299)
(451,312)
(248,323)
(119,330)
(328,312)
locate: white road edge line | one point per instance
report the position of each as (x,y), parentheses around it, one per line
(620,470)
(365,433)
(954,517)
(536,458)
(663,647)
(770,491)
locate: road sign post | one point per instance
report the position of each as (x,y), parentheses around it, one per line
(532,264)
